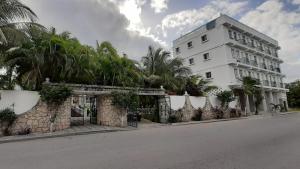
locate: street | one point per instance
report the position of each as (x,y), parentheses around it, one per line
(258,143)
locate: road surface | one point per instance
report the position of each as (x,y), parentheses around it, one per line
(262,143)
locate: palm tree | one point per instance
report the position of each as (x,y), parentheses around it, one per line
(161,69)
(11,12)
(250,88)
(197,86)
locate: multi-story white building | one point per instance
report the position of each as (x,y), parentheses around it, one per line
(225,50)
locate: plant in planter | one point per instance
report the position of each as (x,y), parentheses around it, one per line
(7,117)
(54,96)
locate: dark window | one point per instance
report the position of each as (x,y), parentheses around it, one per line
(177,50)
(206,56)
(230,34)
(210,25)
(204,38)
(191,61)
(234,35)
(190,44)
(208,75)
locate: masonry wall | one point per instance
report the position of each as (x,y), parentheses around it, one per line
(108,114)
(38,118)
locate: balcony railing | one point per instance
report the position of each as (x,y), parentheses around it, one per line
(263,65)
(254,63)
(242,41)
(266,83)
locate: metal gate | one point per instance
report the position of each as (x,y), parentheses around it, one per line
(93,110)
(132,119)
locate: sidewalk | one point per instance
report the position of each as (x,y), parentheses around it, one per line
(76,130)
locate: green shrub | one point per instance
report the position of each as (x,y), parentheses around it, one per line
(128,100)
(7,115)
(197,116)
(173,119)
(55,95)
(225,97)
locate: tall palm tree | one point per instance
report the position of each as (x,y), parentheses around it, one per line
(250,88)
(161,69)
(14,15)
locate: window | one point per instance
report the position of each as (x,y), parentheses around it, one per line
(234,35)
(241,73)
(191,61)
(208,75)
(190,44)
(206,56)
(204,38)
(177,50)
(230,34)
(236,73)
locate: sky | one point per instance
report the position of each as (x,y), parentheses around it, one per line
(132,25)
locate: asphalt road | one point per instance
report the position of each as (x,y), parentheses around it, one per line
(265,143)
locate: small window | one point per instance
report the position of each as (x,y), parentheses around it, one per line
(236,73)
(206,56)
(190,44)
(177,50)
(191,61)
(204,38)
(208,75)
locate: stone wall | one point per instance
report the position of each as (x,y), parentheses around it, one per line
(38,118)
(108,114)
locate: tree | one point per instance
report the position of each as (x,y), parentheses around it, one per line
(197,86)
(225,97)
(293,95)
(161,69)
(250,88)
(14,16)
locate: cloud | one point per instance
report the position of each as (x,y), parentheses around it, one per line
(92,20)
(187,19)
(159,5)
(272,18)
(132,10)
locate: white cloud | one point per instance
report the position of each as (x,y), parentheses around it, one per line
(272,19)
(132,10)
(90,21)
(159,5)
(188,19)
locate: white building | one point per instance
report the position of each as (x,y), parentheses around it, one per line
(225,50)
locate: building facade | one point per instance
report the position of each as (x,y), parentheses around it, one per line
(224,51)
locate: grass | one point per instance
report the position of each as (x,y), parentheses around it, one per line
(294,109)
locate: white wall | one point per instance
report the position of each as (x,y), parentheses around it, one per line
(20,101)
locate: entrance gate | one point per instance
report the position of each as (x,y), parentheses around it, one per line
(83,110)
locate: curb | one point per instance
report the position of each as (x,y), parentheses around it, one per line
(287,113)
(213,121)
(49,135)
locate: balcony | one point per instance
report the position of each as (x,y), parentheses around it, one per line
(271,68)
(242,41)
(254,63)
(278,70)
(263,66)
(266,83)
(274,84)
(281,85)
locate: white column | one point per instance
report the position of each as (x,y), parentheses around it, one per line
(264,101)
(271,97)
(247,111)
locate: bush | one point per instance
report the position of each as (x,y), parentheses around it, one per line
(225,97)
(197,116)
(219,113)
(24,131)
(172,119)
(55,95)
(8,116)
